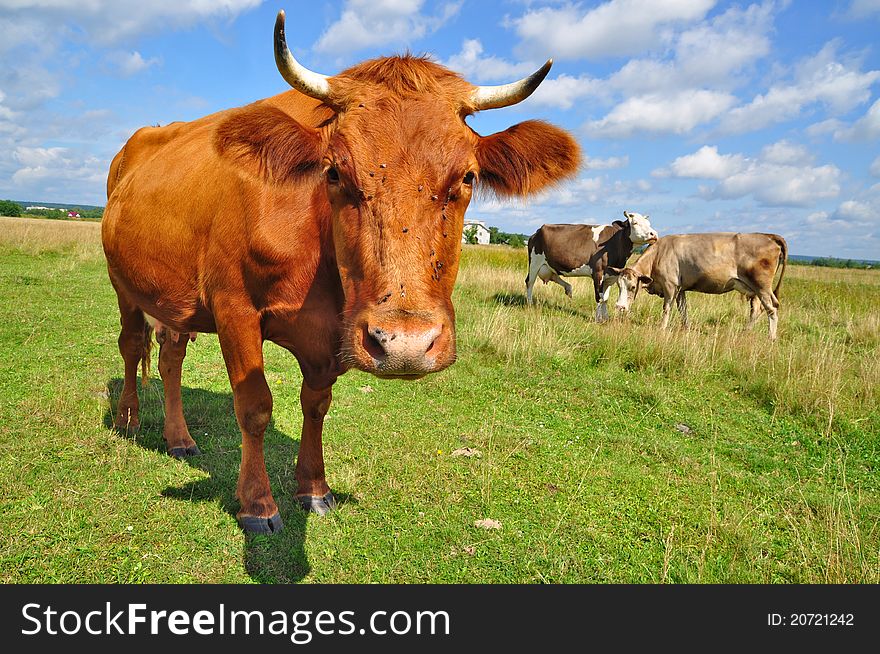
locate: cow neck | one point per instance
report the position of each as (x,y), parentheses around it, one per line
(646,262)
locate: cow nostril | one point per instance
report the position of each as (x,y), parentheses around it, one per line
(373,342)
(436,342)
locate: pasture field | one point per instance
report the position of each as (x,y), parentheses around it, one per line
(608,453)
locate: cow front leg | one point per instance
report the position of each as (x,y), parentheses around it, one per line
(667,309)
(176,434)
(313,493)
(602,295)
(681,302)
(241,342)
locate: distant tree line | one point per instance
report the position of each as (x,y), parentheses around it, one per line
(504,238)
(11,208)
(831,262)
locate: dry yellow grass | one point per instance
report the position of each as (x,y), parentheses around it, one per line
(38,235)
(827,358)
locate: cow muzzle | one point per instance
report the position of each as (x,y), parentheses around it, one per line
(390,347)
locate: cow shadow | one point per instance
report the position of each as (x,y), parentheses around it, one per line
(508,299)
(277,558)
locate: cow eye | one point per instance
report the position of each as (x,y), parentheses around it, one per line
(468,178)
(332,175)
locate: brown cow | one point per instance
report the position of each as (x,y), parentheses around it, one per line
(327,219)
(709,263)
(557,251)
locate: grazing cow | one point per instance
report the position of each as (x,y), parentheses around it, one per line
(557,251)
(326,219)
(709,263)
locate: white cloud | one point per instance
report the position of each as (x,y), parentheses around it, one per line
(866,128)
(705,163)
(857,211)
(595,163)
(828,126)
(676,113)
(786,152)
(370,23)
(875,167)
(614,28)
(5,112)
(45,171)
(777,185)
(565,91)
(685,85)
(742,35)
(864,8)
(780,176)
(132,63)
(27,84)
(112,21)
(820,79)
(475,67)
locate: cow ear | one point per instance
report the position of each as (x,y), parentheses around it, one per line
(526,158)
(627,214)
(270,143)
(645,279)
(620,223)
(613,270)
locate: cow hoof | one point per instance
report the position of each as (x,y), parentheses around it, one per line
(254,525)
(184,452)
(317,505)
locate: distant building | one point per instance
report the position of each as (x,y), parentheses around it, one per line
(73,214)
(482,231)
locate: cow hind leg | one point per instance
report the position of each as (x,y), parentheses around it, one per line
(530,285)
(564,284)
(535,262)
(177,437)
(754,310)
(133,346)
(242,345)
(765,297)
(771,306)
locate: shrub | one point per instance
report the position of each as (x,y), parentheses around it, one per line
(10,208)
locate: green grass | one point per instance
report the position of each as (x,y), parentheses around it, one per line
(581,462)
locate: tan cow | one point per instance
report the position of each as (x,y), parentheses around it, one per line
(708,263)
(326,219)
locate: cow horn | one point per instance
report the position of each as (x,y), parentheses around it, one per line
(298,76)
(494,97)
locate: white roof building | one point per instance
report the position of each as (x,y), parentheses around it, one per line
(482,231)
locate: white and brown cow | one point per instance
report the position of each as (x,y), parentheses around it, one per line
(557,251)
(709,263)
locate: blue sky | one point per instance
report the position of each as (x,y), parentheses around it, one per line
(709,116)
